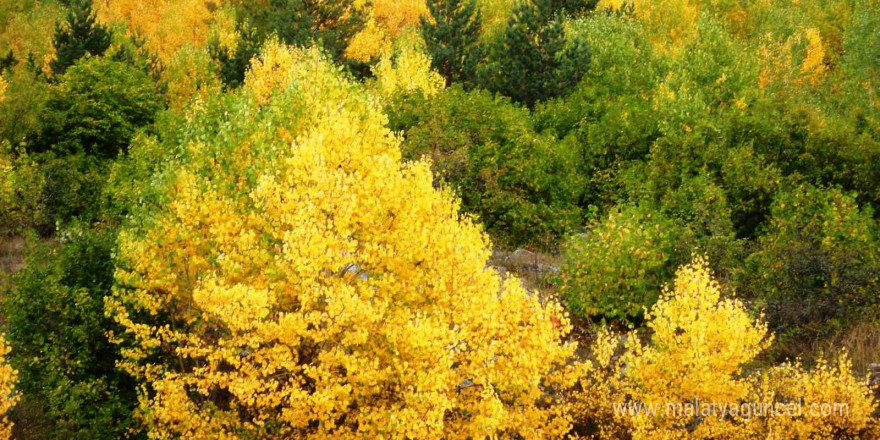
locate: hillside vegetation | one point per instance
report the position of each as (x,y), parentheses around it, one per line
(440,219)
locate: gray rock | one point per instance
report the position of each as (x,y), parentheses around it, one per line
(521,258)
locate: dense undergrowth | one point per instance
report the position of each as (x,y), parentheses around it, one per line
(274,219)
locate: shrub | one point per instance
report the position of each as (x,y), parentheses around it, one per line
(58,333)
(817,262)
(21,187)
(97,107)
(523,186)
(73,188)
(616,269)
(827,384)
(297,279)
(22,106)
(697,354)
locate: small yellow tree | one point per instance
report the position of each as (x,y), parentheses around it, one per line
(814,66)
(698,347)
(295,279)
(8,376)
(407,69)
(386,20)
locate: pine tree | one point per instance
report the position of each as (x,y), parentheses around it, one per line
(572,7)
(451,36)
(8,61)
(532,62)
(330,24)
(78,36)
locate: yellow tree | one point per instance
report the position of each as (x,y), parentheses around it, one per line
(699,344)
(407,69)
(166,26)
(670,23)
(814,67)
(691,372)
(8,376)
(294,278)
(386,20)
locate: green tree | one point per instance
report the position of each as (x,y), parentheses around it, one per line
(58,333)
(617,268)
(452,37)
(97,107)
(327,23)
(532,61)
(79,36)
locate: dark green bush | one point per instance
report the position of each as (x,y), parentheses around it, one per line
(58,333)
(96,108)
(817,266)
(523,186)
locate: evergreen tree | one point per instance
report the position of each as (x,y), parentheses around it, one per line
(572,7)
(8,61)
(533,62)
(327,23)
(78,36)
(233,65)
(452,36)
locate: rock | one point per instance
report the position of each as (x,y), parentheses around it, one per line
(521,258)
(874,374)
(548,269)
(467,383)
(502,271)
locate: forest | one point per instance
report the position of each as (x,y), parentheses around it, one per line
(440,219)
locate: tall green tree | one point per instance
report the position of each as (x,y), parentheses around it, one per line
(97,107)
(78,36)
(532,61)
(452,38)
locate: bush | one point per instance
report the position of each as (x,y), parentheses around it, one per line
(21,188)
(97,107)
(58,333)
(73,188)
(818,262)
(8,397)
(616,269)
(523,186)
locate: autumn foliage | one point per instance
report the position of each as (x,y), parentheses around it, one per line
(700,348)
(439,219)
(299,280)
